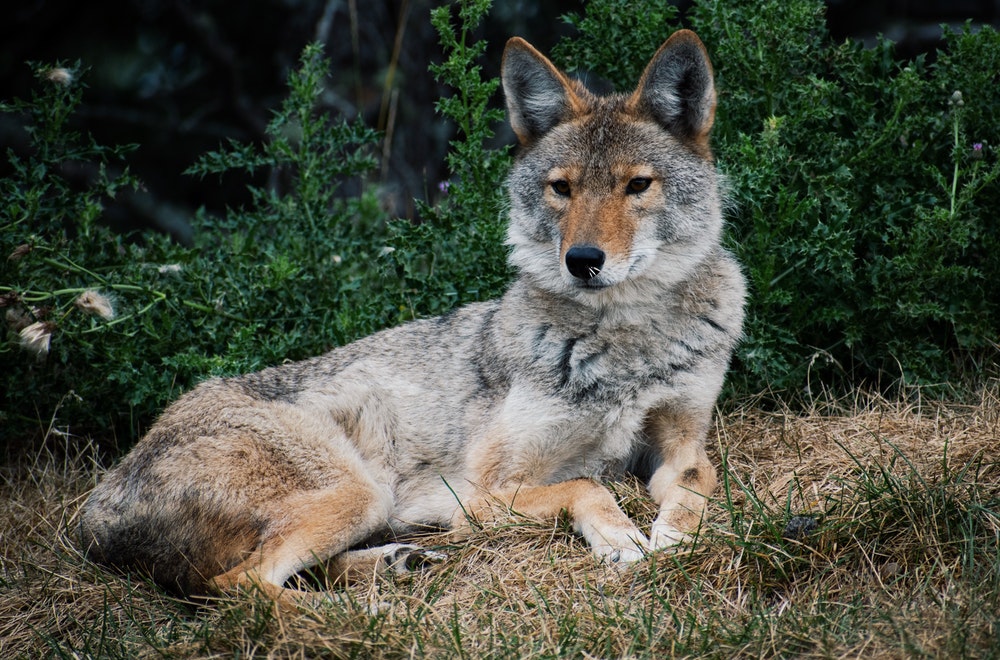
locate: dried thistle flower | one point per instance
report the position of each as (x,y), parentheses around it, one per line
(92,302)
(37,337)
(19,252)
(60,76)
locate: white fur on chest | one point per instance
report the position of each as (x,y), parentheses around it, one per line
(554,440)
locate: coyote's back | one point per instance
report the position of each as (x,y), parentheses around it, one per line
(607,352)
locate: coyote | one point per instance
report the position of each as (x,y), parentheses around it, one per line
(607,353)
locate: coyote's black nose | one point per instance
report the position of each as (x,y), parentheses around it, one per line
(584,261)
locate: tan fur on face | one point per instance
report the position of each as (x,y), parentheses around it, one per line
(590,219)
(603,218)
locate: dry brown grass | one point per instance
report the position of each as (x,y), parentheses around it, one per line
(904,562)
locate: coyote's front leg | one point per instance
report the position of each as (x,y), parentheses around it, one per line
(684,479)
(592,510)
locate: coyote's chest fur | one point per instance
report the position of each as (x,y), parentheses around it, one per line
(608,350)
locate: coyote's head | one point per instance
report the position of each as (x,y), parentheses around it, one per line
(609,194)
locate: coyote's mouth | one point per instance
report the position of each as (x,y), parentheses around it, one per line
(591,285)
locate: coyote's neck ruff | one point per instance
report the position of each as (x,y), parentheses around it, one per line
(607,352)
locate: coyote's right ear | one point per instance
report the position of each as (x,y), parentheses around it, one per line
(539,95)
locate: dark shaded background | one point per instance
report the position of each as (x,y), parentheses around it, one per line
(180,77)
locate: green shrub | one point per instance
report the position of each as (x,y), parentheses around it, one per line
(278,280)
(456,254)
(300,270)
(863,190)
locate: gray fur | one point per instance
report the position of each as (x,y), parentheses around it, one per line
(527,397)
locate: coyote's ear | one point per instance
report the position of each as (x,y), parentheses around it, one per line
(539,95)
(677,89)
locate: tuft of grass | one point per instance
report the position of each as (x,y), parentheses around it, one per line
(863,527)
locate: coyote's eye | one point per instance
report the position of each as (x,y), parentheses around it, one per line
(637,185)
(561,187)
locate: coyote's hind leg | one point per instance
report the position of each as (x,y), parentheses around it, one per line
(307,528)
(399,558)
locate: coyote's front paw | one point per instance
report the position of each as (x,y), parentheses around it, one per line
(619,556)
(664,535)
(618,546)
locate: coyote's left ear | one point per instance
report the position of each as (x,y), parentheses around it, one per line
(677,89)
